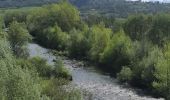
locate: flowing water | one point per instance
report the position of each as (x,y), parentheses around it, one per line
(97,84)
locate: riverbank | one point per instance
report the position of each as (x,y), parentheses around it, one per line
(98,85)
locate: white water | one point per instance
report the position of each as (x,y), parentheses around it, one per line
(100,86)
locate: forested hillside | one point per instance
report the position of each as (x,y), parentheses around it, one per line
(116,8)
(22,3)
(120,8)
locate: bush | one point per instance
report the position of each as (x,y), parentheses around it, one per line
(41,66)
(16,83)
(55,90)
(79,44)
(61,71)
(18,37)
(15,15)
(159,32)
(55,37)
(162,73)
(137,26)
(125,75)
(117,53)
(99,39)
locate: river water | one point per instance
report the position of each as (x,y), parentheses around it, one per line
(97,84)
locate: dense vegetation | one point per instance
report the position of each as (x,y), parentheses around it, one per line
(116,8)
(136,50)
(25,78)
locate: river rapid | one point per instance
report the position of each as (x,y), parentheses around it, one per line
(95,84)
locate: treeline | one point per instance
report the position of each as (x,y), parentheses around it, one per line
(119,8)
(135,50)
(115,8)
(25,78)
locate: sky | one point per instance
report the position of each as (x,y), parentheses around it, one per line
(154,0)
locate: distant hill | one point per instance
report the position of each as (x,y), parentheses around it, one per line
(22,3)
(120,8)
(116,8)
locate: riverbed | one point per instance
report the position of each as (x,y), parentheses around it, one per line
(98,85)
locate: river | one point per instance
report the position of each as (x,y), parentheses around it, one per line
(98,85)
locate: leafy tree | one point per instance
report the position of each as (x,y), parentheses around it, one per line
(60,71)
(137,26)
(79,44)
(55,37)
(18,36)
(125,75)
(162,73)
(17,83)
(99,38)
(41,66)
(159,32)
(66,15)
(15,15)
(22,85)
(117,53)
(54,90)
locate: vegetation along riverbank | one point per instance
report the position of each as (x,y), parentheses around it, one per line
(135,49)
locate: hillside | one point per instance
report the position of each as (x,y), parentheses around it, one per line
(120,8)
(22,3)
(116,8)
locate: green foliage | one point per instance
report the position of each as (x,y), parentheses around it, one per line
(66,15)
(22,85)
(1,23)
(61,71)
(125,75)
(41,66)
(159,32)
(162,73)
(52,23)
(55,37)
(18,36)
(55,91)
(99,38)
(137,26)
(79,44)
(63,14)
(144,68)
(117,52)
(17,15)
(17,83)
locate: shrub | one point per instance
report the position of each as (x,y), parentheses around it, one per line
(55,90)
(125,75)
(78,44)
(41,66)
(61,71)
(117,53)
(18,37)
(99,39)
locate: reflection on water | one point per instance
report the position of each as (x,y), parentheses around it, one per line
(99,86)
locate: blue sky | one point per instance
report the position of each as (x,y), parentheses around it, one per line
(154,0)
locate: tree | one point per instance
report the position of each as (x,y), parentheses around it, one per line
(162,73)
(125,75)
(41,66)
(16,83)
(65,14)
(160,30)
(137,26)
(55,37)
(79,44)
(99,38)
(117,52)
(18,36)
